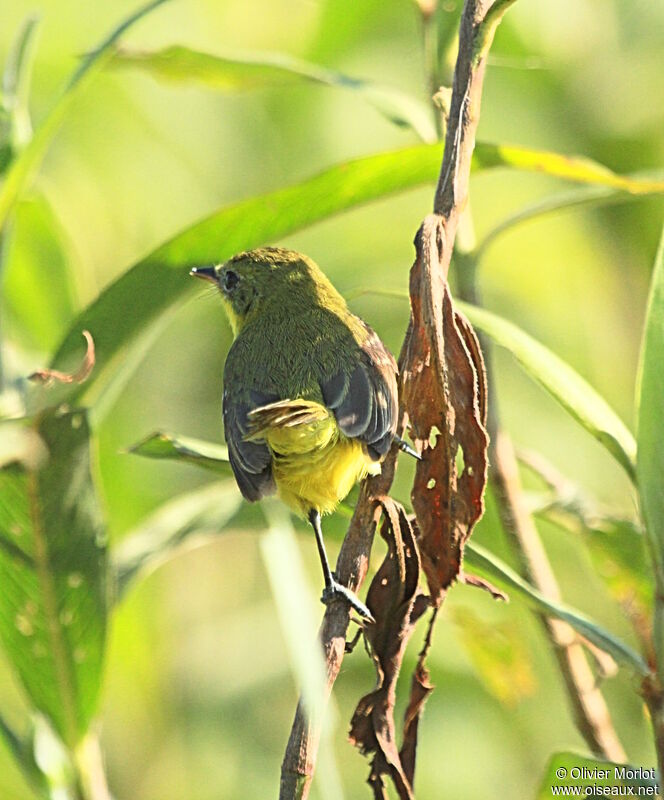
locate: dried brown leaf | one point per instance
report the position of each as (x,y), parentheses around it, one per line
(420,689)
(80,375)
(444,390)
(396,603)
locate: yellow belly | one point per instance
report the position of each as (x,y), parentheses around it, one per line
(315,465)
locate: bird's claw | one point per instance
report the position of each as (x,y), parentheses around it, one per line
(335,591)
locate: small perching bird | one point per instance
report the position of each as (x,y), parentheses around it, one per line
(310,392)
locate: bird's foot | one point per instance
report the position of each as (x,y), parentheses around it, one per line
(335,591)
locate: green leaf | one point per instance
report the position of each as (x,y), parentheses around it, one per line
(23,167)
(650,405)
(53,574)
(22,750)
(616,545)
(149,287)
(182,448)
(499,654)
(572,168)
(489,566)
(237,71)
(16,128)
(565,385)
(40,298)
(573,198)
(188,521)
(135,299)
(298,618)
(579,771)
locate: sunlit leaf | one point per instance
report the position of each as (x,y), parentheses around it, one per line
(489,566)
(23,168)
(564,384)
(53,574)
(237,71)
(185,522)
(650,405)
(572,168)
(149,287)
(135,299)
(182,448)
(575,770)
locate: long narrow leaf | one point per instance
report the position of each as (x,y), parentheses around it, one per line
(590,195)
(24,167)
(555,375)
(253,70)
(53,574)
(297,616)
(22,751)
(152,285)
(492,568)
(149,287)
(650,405)
(15,125)
(572,168)
(181,448)
(563,384)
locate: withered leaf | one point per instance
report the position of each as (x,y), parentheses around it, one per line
(396,603)
(444,391)
(80,375)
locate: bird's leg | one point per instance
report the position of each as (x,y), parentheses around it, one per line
(406,448)
(333,590)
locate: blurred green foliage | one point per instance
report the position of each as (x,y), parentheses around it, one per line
(199,689)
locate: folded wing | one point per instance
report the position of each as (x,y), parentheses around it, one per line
(364,400)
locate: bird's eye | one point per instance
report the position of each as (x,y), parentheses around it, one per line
(230,280)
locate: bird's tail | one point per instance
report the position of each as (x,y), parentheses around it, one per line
(284,414)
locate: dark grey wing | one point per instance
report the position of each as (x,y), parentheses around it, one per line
(365,400)
(251,462)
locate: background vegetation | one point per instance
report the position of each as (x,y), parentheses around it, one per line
(200,669)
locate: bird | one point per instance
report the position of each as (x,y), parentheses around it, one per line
(310,399)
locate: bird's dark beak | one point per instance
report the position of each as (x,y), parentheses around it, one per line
(207,273)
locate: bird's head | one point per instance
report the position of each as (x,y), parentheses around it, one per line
(256,281)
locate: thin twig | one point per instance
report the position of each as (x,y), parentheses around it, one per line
(451,195)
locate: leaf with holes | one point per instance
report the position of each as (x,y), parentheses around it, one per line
(53,603)
(444,392)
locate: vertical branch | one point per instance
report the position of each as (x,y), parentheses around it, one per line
(479,20)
